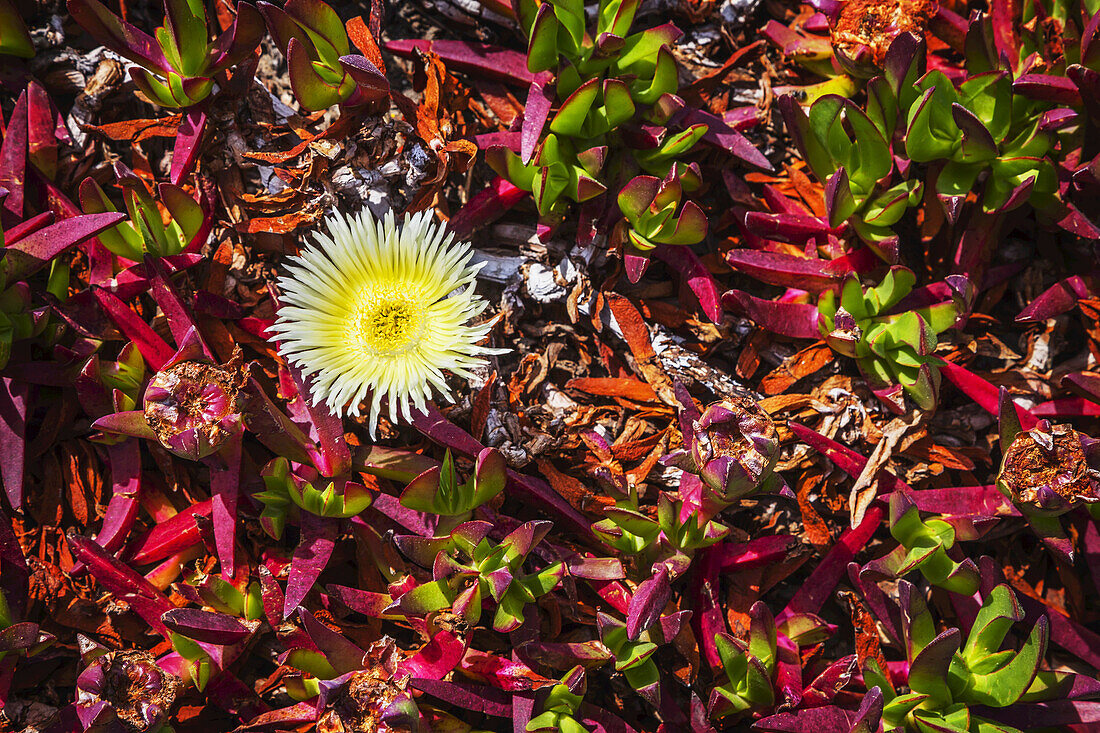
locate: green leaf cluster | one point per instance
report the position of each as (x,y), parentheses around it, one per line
(606,79)
(663,539)
(749,667)
(285,492)
(948,677)
(468,566)
(146,232)
(890,348)
(437,491)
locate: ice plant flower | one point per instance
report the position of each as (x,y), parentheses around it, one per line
(374,309)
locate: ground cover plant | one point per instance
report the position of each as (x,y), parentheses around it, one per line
(543,365)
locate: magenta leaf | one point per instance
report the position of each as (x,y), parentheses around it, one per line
(28,255)
(788,271)
(170,536)
(125,460)
(982,392)
(1059,298)
(482,59)
(152,347)
(485,207)
(188,145)
(794,320)
(823,579)
(123,581)
(535,114)
(14,399)
(648,603)
(309,559)
(225,486)
(698,278)
(436,659)
(343,655)
(13,164)
(206,626)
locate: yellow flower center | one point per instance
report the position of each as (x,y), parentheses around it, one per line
(386,322)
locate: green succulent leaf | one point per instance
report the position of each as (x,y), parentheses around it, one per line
(931,133)
(887,208)
(989,97)
(616,16)
(572,114)
(663,81)
(542,44)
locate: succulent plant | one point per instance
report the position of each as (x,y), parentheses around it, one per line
(606,83)
(300,489)
(748,667)
(981,129)
(948,677)
(732,446)
(321,68)
(649,207)
(558,709)
(146,232)
(862,31)
(634,642)
(893,347)
(850,151)
(192,405)
(177,67)
(669,540)
(923,545)
(437,491)
(348,689)
(1045,472)
(28,247)
(468,567)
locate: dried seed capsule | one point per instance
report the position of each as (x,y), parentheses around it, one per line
(1049,469)
(370,700)
(194,406)
(125,690)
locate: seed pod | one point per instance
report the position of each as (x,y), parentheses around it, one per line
(864,29)
(194,406)
(125,691)
(370,700)
(1050,469)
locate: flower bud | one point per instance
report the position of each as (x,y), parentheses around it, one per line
(1050,469)
(732,448)
(127,689)
(194,406)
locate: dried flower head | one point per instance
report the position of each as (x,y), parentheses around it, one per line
(732,447)
(371,700)
(1048,469)
(380,310)
(864,30)
(194,406)
(126,688)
